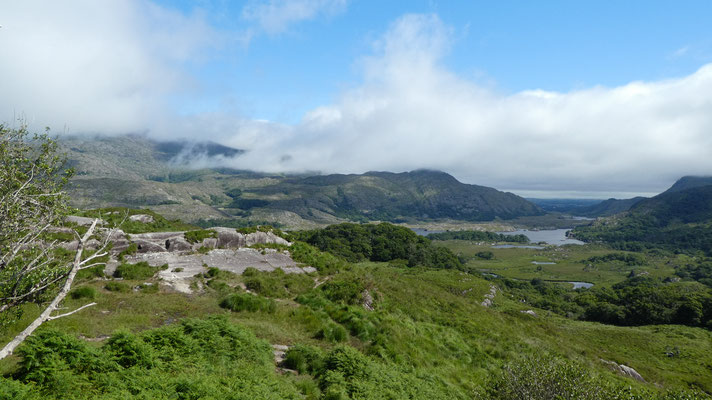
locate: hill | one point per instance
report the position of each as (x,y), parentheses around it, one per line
(678,219)
(135,171)
(609,207)
(688,182)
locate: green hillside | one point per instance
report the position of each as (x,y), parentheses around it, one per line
(677,219)
(370,330)
(134,171)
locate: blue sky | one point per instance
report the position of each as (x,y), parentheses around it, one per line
(508,45)
(547,99)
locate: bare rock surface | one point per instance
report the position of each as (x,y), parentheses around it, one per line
(143,218)
(225,259)
(489,297)
(82,221)
(624,370)
(178,244)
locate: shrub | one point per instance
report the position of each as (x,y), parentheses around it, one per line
(148,288)
(333,332)
(114,286)
(138,271)
(127,350)
(92,273)
(304,359)
(485,255)
(83,292)
(247,302)
(132,249)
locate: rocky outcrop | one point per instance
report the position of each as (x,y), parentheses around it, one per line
(145,246)
(624,370)
(178,244)
(143,218)
(489,297)
(82,221)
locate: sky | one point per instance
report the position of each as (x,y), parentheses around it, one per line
(590,99)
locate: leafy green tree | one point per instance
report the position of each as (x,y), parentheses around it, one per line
(32,176)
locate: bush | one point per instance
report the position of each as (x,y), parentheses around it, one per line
(485,255)
(84,292)
(91,273)
(247,302)
(114,286)
(333,332)
(136,271)
(304,359)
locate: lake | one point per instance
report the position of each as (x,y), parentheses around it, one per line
(551,236)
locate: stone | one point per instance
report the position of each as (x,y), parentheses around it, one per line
(144,246)
(143,218)
(82,221)
(178,244)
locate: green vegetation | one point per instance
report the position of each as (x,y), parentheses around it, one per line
(114,286)
(678,220)
(118,217)
(83,292)
(246,302)
(478,236)
(382,242)
(198,236)
(276,283)
(193,359)
(138,271)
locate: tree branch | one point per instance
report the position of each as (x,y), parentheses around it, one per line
(71,312)
(46,314)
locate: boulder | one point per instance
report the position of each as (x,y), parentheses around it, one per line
(82,221)
(143,218)
(144,246)
(178,244)
(264,238)
(230,239)
(624,370)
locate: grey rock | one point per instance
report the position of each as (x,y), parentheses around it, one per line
(624,370)
(143,218)
(529,312)
(177,244)
(144,246)
(230,239)
(82,221)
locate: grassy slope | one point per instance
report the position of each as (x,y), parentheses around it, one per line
(571,264)
(433,325)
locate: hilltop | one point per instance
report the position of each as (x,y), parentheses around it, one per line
(135,171)
(679,219)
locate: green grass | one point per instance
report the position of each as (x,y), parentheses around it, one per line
(571,262)
(138,271)
(428,336)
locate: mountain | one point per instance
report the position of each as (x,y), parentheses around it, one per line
(135,171)
(678,219)
(688,182)
(609,207)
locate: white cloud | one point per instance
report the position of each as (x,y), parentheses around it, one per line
(412,112)
(105,66)
(275,16)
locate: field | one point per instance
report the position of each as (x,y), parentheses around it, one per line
(425,323)
(570,262)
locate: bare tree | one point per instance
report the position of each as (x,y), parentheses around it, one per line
(32,201)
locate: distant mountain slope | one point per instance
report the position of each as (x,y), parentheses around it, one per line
(392,197)
(609,207)
(678,219)
(688,182)
(134,171)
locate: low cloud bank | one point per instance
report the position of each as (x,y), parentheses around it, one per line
(120,66)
